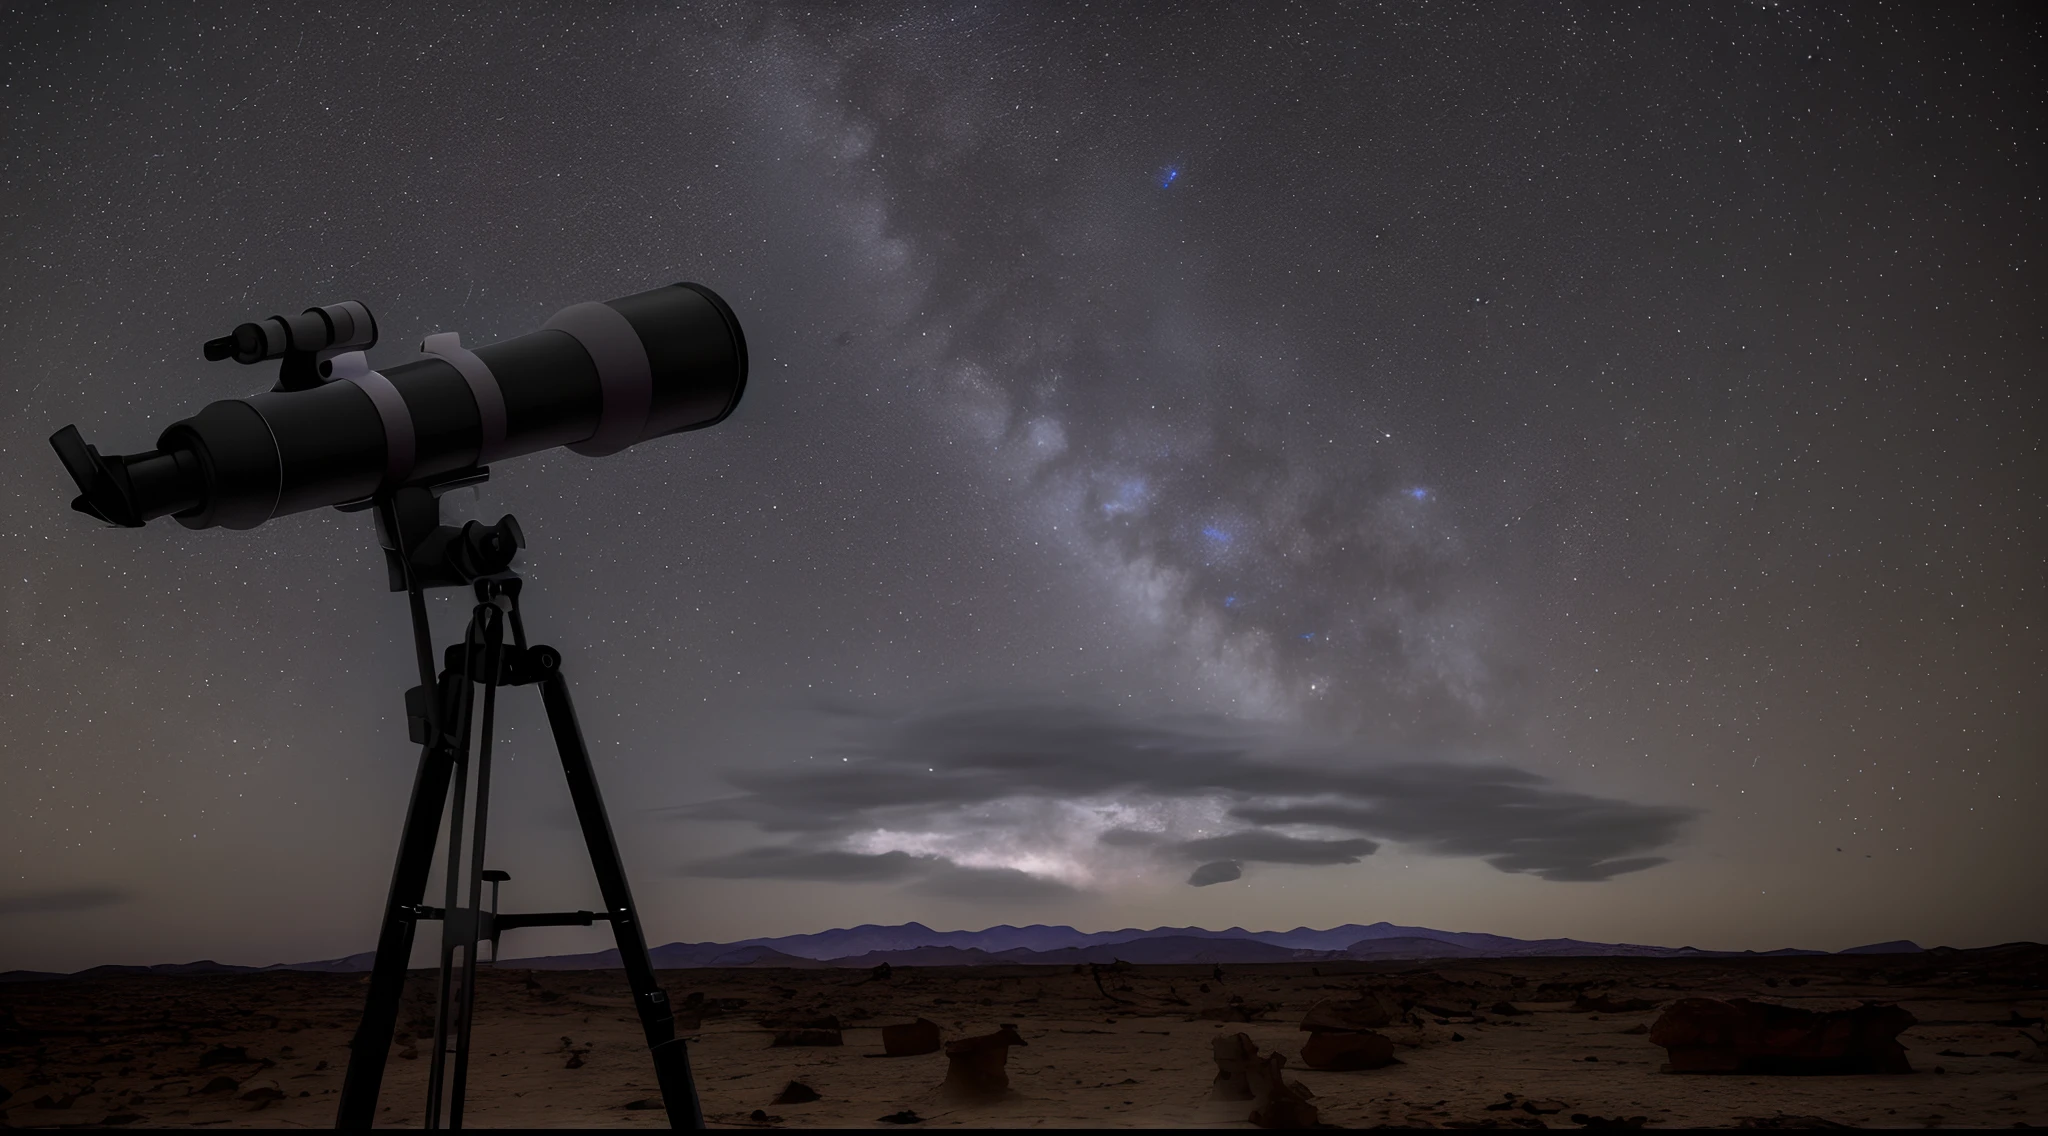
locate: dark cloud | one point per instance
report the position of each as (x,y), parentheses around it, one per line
(989,769)
(1219,872)
(52,902)
(1276,848)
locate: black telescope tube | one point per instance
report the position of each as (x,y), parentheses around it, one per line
(597,378)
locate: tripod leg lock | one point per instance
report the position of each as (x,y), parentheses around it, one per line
(419,715)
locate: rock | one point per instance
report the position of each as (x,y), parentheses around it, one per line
(575,1060)
(224,1055)
(642,1105)
(1506,1010)
(1344,1052)
(796,1092)
(816,1030)
(1603,1005)
(904,1117)
(1637,1029)
(880,973)
(1236,1012)
(911,1038)
(974,1066)
(1233,1055)
(1277,1102)
(221,1085)
(1584,1120)
(264,1096)
(1704,1035)
(1329,1015)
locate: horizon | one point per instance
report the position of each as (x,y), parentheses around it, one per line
(423,958)
(1198,468)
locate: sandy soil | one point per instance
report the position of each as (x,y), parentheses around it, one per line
(142,1051)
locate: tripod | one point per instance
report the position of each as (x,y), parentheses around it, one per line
(421,553)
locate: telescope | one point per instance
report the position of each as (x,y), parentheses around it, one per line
(596,378)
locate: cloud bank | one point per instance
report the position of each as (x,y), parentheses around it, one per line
(1012,798)
(71,899)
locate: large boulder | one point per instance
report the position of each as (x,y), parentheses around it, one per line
(1367,1012)
(1276,1101)
(1233,1055)
(1341,1034)
(1243,1073)
(1703,1035)
(974,1066)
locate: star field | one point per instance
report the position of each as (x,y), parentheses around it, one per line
(1625,422)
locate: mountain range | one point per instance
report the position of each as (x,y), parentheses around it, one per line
(914,944)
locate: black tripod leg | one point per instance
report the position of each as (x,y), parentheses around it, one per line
(372,1043)
(671,1055)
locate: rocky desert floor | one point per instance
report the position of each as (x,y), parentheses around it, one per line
(558,1049)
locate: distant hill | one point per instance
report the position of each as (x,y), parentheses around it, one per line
(914,944)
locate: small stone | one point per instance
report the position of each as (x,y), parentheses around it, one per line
(796,1092)
(263,1098)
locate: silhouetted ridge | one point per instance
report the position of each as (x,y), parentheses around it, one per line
(914,944)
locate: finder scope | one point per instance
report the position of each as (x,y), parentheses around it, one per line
(597,378)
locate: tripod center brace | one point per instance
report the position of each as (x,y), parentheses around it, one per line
(422,553)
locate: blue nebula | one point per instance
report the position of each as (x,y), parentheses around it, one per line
(1418,493)
(1308,635)
(1130,498)
(1216,534)
(1171,173)
(1229,601)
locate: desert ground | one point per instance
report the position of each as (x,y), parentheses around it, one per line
(1127,1048)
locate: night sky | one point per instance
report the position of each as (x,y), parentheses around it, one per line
(1540,471)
